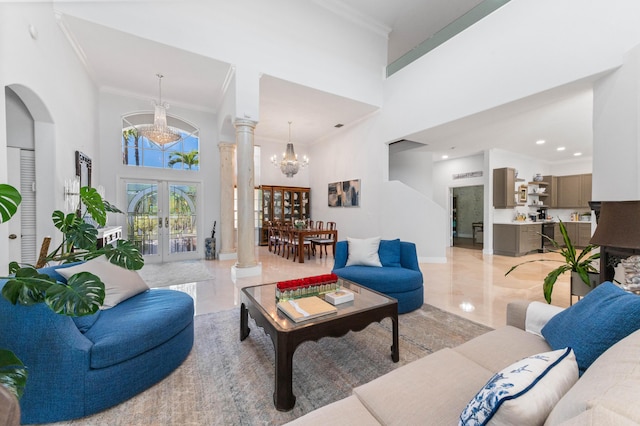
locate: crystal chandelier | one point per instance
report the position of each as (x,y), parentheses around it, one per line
(289,165)
(159,132)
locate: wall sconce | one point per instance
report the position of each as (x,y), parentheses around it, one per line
(71,193)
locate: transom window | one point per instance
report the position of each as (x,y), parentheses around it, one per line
(138,151)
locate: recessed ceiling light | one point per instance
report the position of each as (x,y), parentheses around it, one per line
(577,154)
(444,157)
(540,141)
(560,148)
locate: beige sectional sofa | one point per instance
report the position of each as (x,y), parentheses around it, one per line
(434,390)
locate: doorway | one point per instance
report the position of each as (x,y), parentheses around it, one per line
(22,229)
(467,217)
(162,219)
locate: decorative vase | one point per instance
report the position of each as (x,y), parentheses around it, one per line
(209,248)
(537,177)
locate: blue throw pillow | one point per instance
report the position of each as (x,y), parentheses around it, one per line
(389,252)
(606,315)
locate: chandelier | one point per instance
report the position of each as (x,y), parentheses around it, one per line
(159,132)
(289,165)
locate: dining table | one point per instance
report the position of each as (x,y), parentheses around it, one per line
(302,233)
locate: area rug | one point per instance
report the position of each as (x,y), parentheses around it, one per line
(173,273)
(228,382)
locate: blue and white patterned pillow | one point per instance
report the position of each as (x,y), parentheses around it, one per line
(525,392)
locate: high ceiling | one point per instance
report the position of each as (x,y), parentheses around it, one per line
(198,82)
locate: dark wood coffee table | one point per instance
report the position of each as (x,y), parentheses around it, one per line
(260,302)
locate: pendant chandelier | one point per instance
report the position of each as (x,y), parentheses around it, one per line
(159,132)
(289,165)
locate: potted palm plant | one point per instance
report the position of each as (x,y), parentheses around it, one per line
(580,266)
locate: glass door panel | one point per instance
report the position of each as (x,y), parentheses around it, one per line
(182,230)
(287,206)
(162,219)
(306,207)
(142,217)
(296,205)
(277,204)
(266,205)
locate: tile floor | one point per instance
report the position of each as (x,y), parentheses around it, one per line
(470,284)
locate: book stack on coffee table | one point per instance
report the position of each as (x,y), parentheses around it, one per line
(306,308)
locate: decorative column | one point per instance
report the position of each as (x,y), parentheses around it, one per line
(227,176)
(245,184)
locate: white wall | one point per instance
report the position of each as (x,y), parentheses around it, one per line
(438,88)
(353,154)
(576,167)
(45,73)
(616,118)
(277,38)
(579,39)
(413,167)
(443,172)
(538,54)
(20,129)
(407,214)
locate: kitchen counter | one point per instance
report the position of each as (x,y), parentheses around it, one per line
(517,238)
(525,222)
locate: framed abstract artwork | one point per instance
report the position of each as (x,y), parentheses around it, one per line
(344,194)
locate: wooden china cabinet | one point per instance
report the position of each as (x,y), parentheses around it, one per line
(283,204)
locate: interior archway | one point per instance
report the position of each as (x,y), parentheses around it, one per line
(44,147)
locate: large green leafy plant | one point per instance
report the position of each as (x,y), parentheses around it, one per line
(574,262)
(83,294)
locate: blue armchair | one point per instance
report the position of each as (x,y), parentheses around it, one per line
(79,366)
(399,277)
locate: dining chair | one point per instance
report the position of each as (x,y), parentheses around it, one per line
(283,239)
(323,240)
(272,237)
(294,245)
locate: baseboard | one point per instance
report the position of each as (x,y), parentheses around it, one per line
(432,260)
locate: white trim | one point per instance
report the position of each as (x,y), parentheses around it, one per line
(355,16)
(253,271)
(432,259)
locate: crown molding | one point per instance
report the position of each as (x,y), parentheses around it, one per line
(346,12)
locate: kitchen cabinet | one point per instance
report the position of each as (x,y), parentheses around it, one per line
(578,232)
(516,239)
(504,188)
(283,204)
(574,191)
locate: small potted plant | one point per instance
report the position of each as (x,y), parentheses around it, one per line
(580,265)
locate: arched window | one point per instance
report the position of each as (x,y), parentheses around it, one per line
(138,151)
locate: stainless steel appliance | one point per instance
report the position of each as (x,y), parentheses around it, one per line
(548,230)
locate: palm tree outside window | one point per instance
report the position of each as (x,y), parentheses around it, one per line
(138,151)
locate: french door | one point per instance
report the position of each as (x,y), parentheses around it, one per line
(162,219)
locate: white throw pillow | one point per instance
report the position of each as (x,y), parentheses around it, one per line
(525,392)
(119,283)
(363,252)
